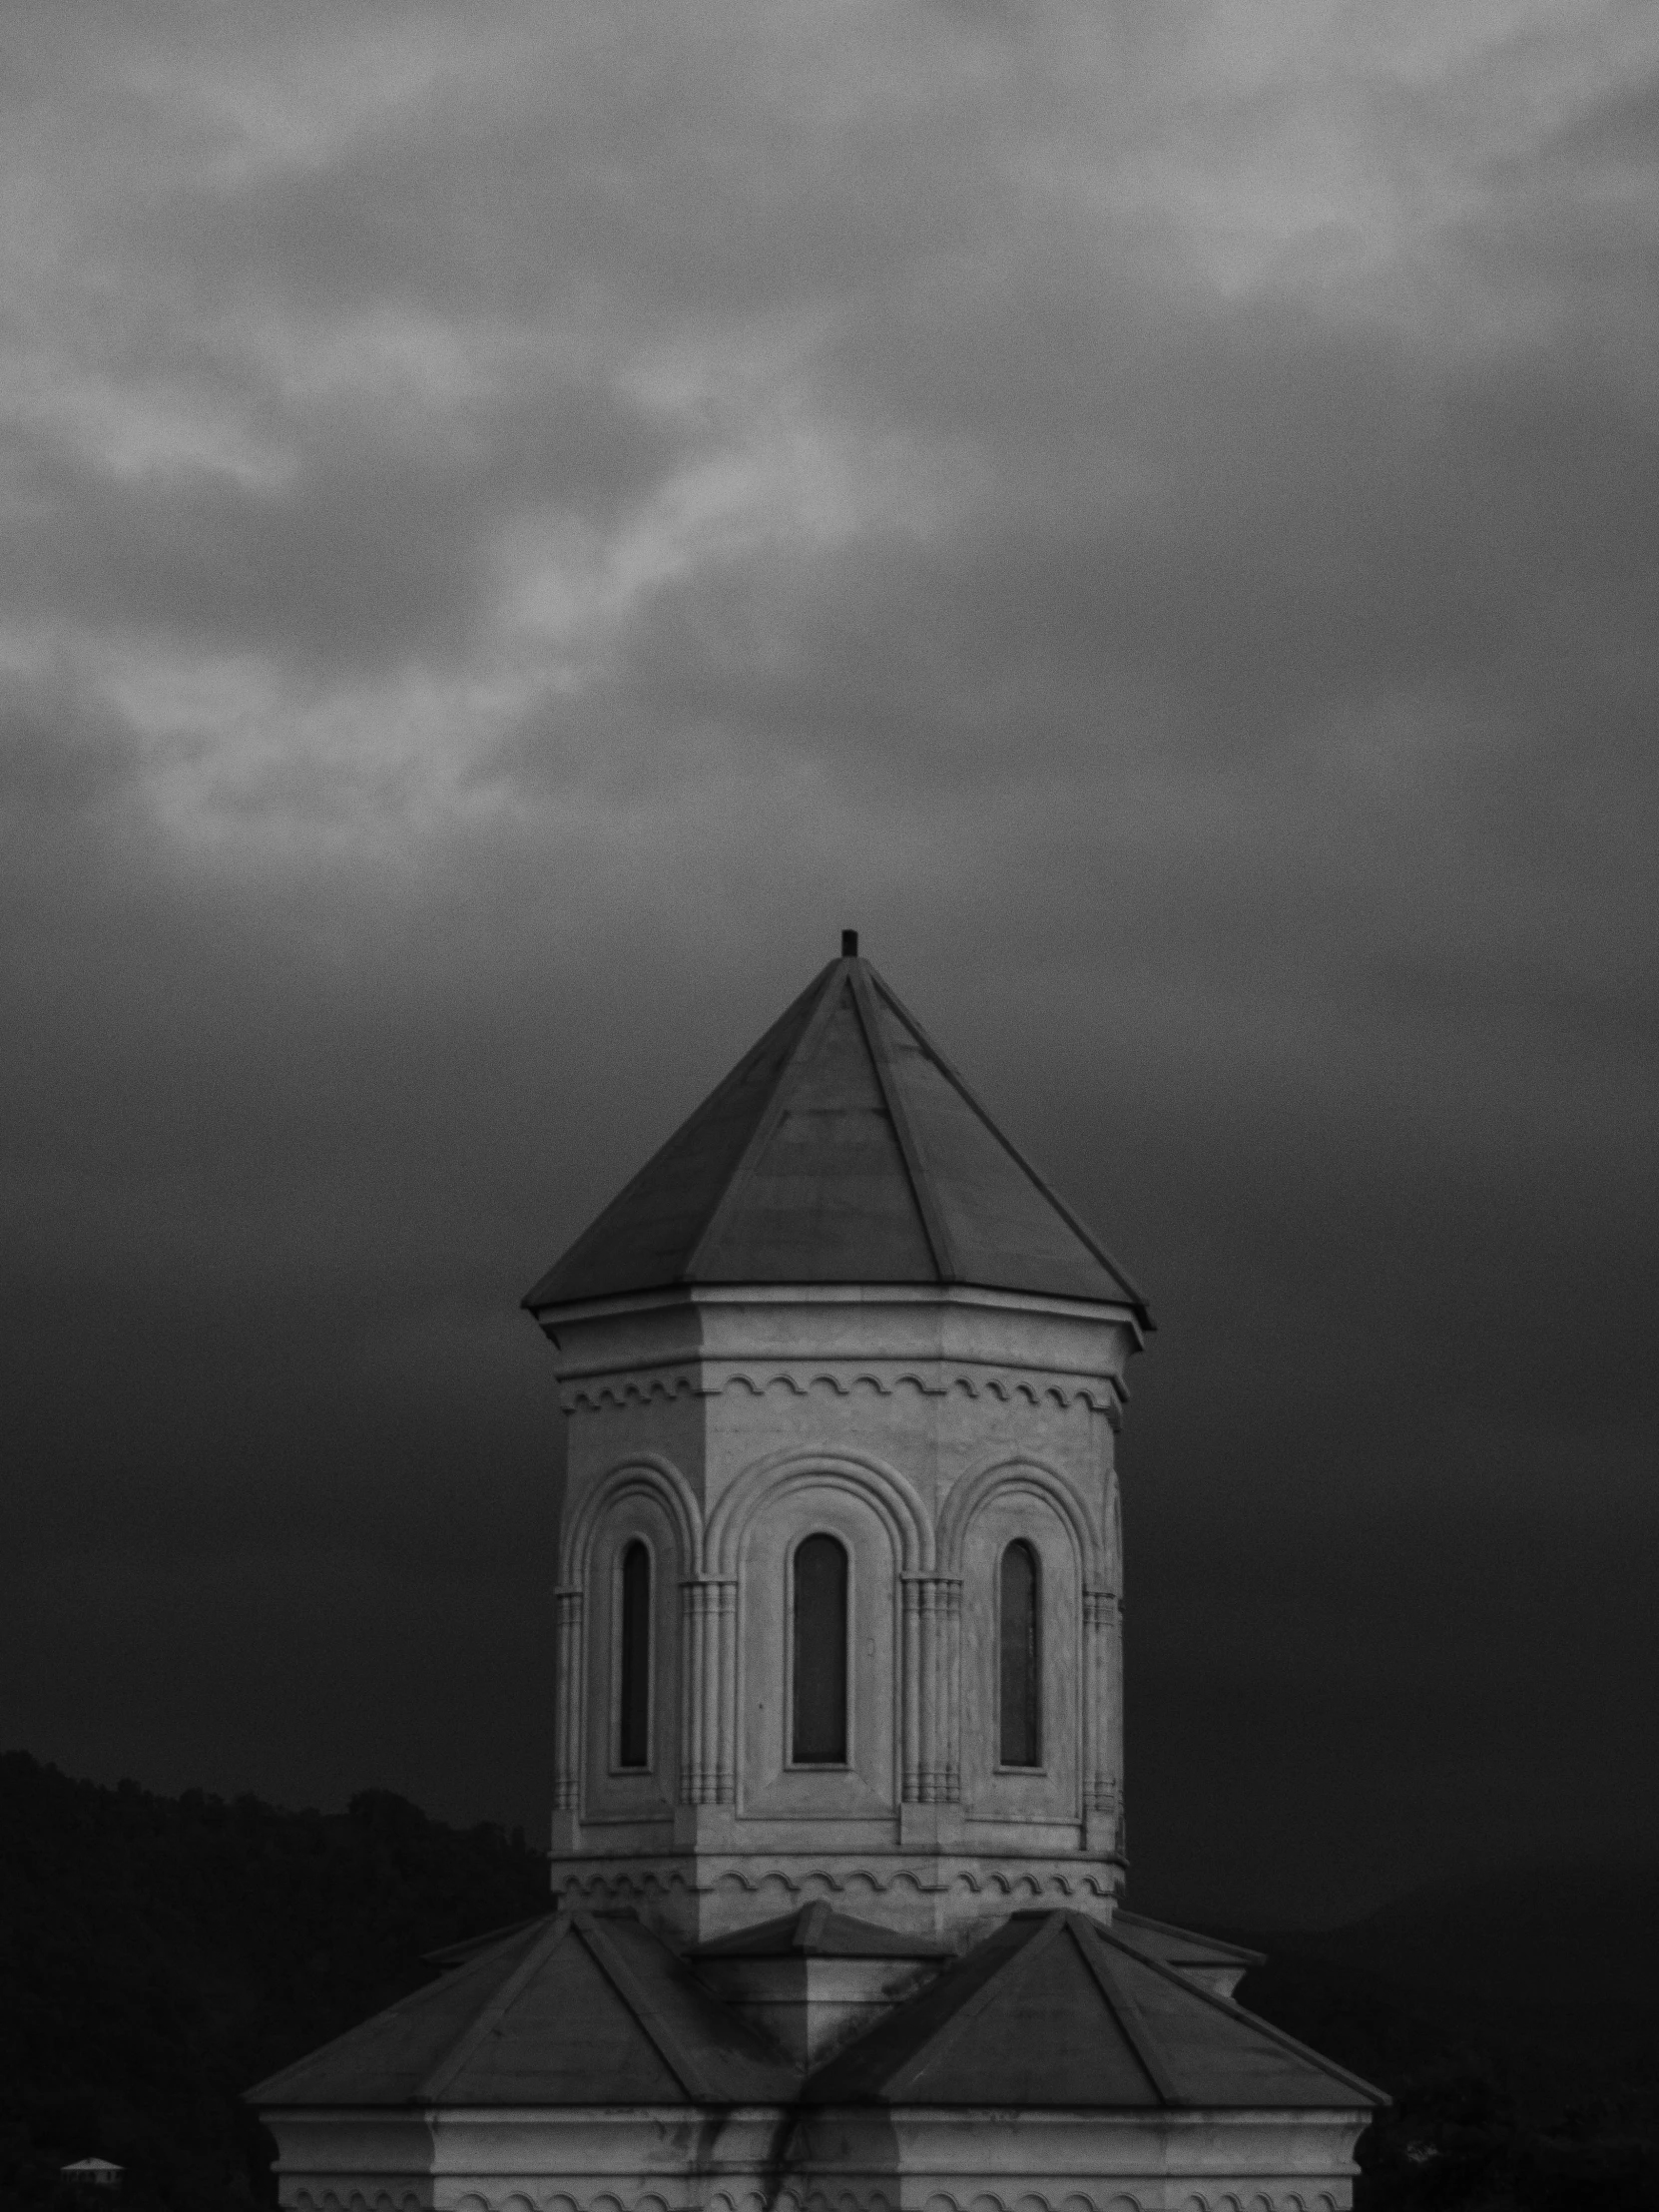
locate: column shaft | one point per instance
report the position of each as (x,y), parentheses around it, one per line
(568,1728)
(724,1595)
(911,1695)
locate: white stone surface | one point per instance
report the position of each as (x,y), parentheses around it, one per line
(810,2007)
(925,1429)
(676,2160)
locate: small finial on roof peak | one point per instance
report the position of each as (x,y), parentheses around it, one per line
(849,944)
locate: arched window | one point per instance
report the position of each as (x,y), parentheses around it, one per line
(817,1736)
(634,1660)
(1019,1659)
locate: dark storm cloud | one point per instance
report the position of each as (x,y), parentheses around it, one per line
(377,547)
(515,534)
(58,760)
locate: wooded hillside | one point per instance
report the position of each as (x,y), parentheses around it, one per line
(158,1955)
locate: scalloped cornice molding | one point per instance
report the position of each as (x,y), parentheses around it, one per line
(1013,2195)
(594,1394)
(1015,1884)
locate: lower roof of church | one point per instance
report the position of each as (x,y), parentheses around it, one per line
(1051,2011)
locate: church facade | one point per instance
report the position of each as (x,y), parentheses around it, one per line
(838,1847)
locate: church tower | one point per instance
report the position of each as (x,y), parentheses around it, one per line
(838,1847)
(839,1565)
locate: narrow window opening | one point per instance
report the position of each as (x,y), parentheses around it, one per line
(818,1732)
(634,1718)
(1019,1659)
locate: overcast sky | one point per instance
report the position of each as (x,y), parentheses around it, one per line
(519,522)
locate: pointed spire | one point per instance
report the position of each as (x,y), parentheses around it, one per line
(843,1148)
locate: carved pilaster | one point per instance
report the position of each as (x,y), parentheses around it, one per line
(708,1611)
(691,1695)
(567,1774)
(932,1674)
(933,1714)
(1113,1653)
(911,1700)
(725,1683)
(1099,1638)
(953,1691)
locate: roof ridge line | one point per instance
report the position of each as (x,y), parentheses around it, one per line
(909,1149)
(625,1981)
(1120,2002)
(387,2012)
(470,1948)
(808,1926)
(959,1083)
(1121,1919)
(1237,2011)
(771,1115)
(965,2015)
(491,2011)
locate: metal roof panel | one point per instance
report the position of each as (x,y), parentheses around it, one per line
(843,1148)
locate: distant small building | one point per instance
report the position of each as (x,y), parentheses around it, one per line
(94,2173)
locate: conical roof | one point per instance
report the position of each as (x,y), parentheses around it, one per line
(843,1148)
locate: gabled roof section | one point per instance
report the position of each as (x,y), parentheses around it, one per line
(575,2010)
(843,1148)
(1181,1948)
(457,1954)
(816,1930)
(1052,2010)
(1204,1959)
